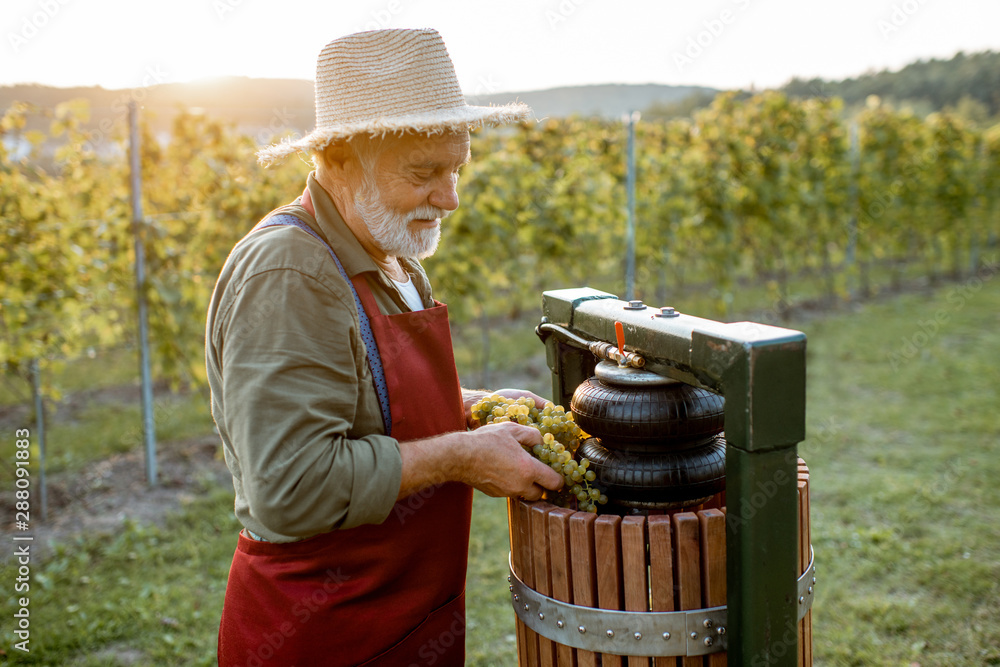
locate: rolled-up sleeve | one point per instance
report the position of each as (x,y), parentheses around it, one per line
(291,371)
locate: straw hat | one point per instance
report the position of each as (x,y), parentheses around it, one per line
(385,81)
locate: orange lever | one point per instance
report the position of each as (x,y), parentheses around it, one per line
(620,333)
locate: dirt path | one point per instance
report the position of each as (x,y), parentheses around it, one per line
(102,495)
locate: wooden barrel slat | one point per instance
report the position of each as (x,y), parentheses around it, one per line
(514,523)
(540,556)
(581,537)
(687,566)
(608,548)
(661,572)
(712,525)
(562,573)
(635,573)
(527,576)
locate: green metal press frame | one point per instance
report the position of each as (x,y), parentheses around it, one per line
(761,371)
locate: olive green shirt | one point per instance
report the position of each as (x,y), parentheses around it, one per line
(292,394)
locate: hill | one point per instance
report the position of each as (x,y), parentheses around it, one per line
(606,100)
(968,83)
(264,106)
(971,81)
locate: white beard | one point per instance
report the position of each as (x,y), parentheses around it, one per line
(391,229)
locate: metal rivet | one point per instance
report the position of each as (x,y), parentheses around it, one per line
(611,634)
(511,588)
(707,623)
(810,590)
(721,630)
(508,579)
(814,580)
(582,629)
(559,624)
(517,598)
(541,616)
(708,641)
(801,599)
(526,607)
(694,635)
(637,636)
(666,636)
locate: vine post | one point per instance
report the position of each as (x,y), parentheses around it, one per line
(633,118)
(36,391)
(148,426)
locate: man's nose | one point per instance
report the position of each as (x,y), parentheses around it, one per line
(445,195)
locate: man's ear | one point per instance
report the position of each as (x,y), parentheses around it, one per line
(336,158)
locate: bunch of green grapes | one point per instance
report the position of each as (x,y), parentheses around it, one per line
(561,437)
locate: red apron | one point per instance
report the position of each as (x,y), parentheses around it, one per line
(387,594)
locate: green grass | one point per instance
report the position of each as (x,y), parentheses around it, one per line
(106,368)
(146,596)
(904,448)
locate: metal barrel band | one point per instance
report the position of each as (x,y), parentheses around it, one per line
(638,633)
(806,586)
(659,634)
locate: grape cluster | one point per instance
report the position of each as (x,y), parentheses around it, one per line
(561,437)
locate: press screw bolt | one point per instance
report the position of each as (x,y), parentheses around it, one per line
(708,641)
(707,623)
(638,636)
(611,634)
(666,636)
(559,624)
(582,630)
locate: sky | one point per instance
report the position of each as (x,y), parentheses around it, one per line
(496,45)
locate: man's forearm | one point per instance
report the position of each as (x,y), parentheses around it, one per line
(432,461)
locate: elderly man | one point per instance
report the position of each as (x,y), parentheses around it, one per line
(334,384)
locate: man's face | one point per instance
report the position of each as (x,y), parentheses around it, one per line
(403,195)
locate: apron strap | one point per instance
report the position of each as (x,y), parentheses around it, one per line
(374,359)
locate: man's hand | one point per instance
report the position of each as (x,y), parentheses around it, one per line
(470,398)
(498,465)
